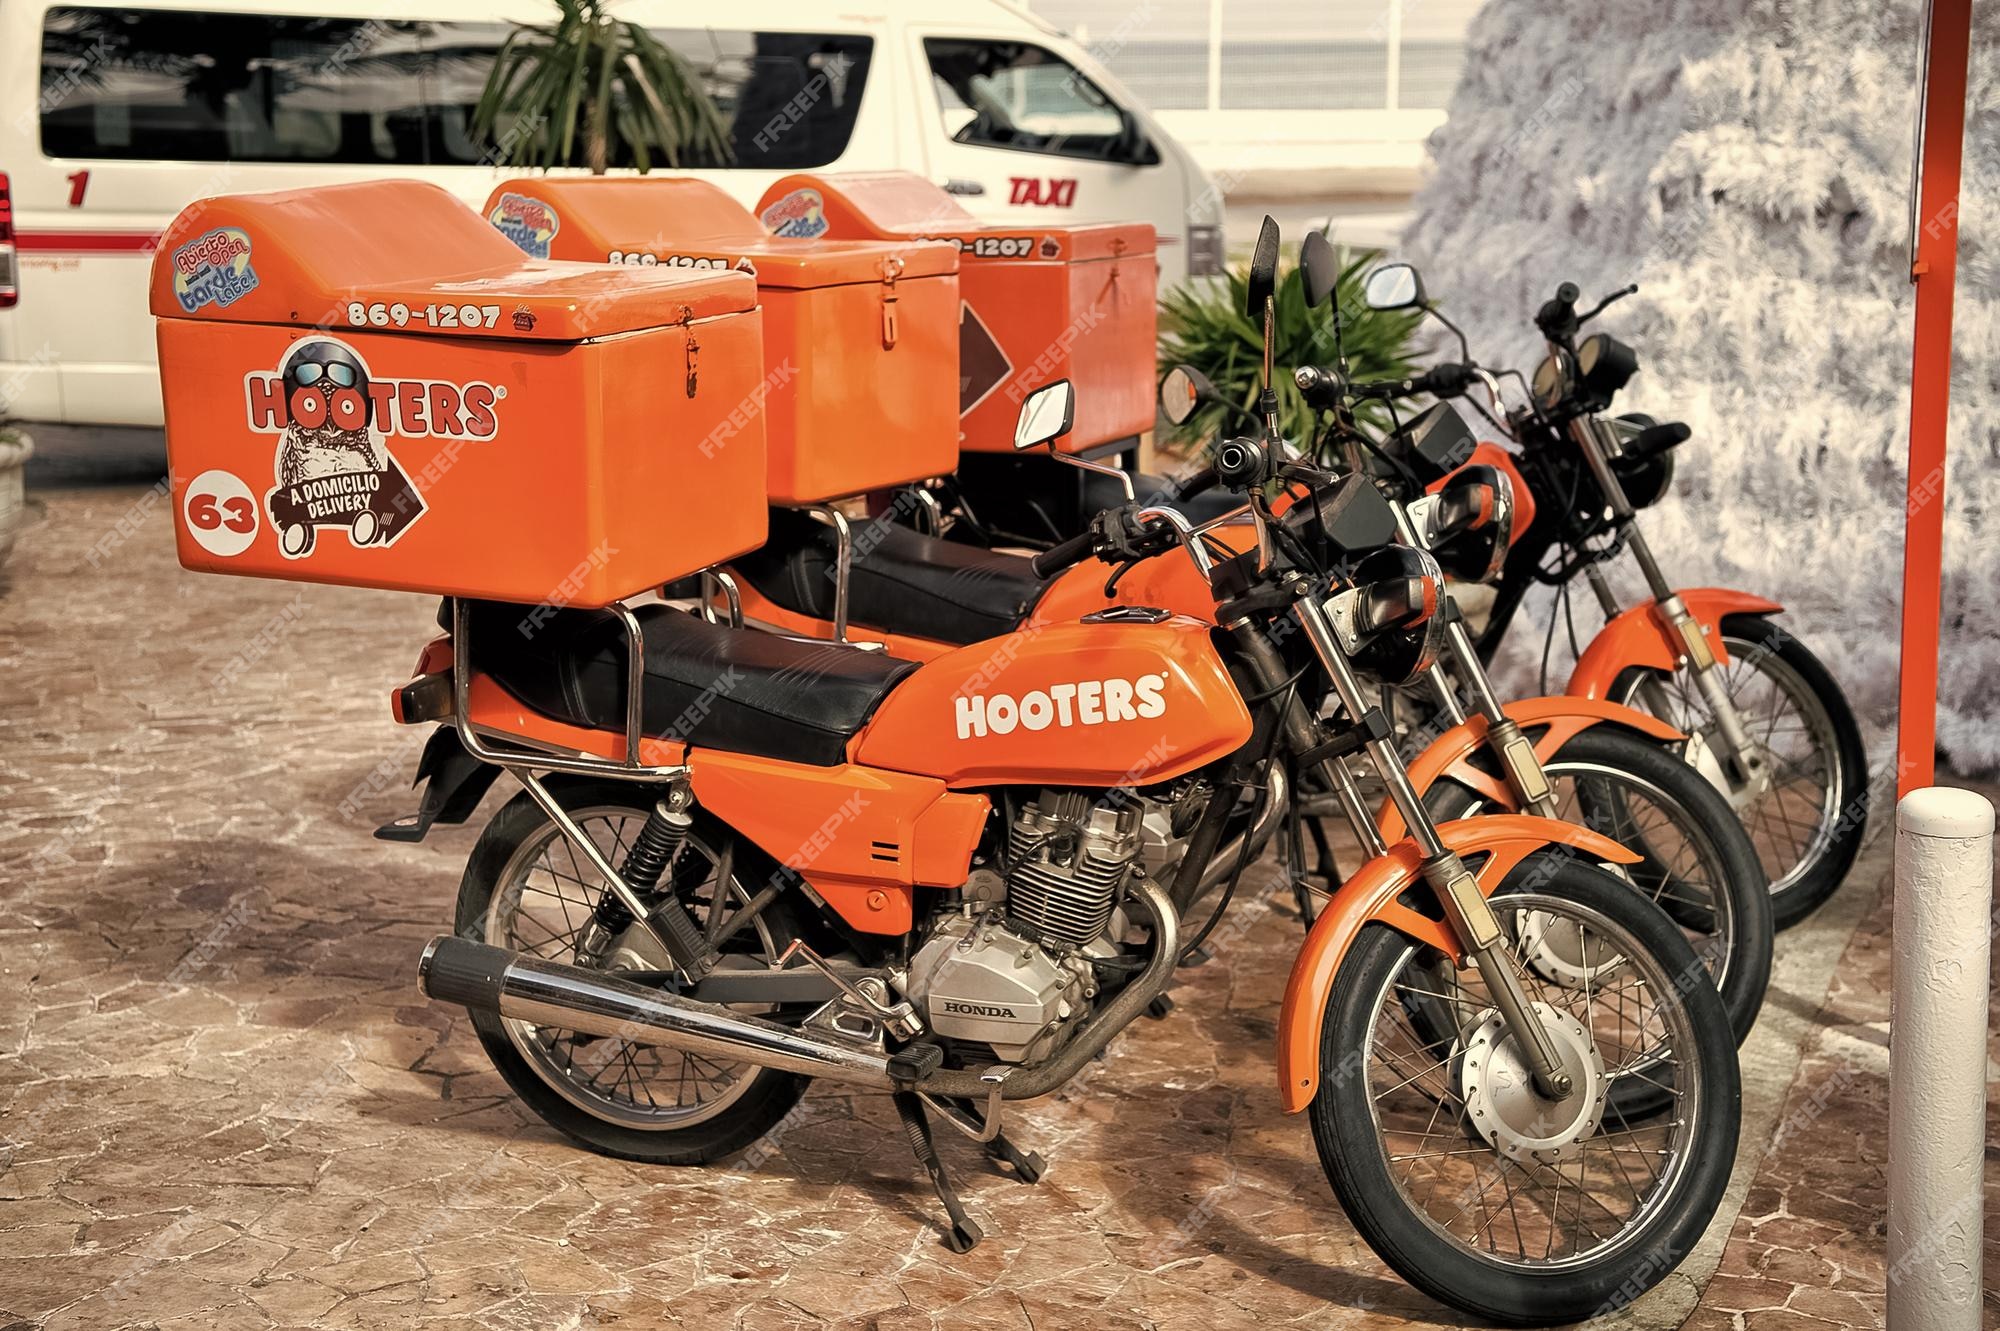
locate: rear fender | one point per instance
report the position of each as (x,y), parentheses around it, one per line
(1558,719)
(1641,636)
(1370,896)
(453,780)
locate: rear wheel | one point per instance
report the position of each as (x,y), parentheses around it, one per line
(1808,822)
(527,889)
(1475,1189)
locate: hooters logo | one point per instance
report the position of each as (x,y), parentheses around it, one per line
(1088,702)
(334,419)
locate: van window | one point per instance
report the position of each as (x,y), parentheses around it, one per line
(1014,95)
(789,99)
(181,86)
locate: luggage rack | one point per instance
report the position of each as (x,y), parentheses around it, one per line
(523,756)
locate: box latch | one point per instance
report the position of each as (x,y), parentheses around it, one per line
(892,268)
(686,324)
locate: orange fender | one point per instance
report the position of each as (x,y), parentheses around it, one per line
(1370,896)
(1562,718)
(1641,637)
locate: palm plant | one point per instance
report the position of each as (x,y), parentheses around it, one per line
(1203,324)
(591,89)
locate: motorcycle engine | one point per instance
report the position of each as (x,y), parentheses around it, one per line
(1014,970)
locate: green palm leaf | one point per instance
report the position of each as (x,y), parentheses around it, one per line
(1204,324)
(593,90)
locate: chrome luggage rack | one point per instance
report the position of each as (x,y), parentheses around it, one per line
(523,756)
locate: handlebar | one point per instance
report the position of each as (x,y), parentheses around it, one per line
(1068,554)
(1558,319)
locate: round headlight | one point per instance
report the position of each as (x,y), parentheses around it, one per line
(1551,381)
(1472,525)
(1392,620)
(1605,365)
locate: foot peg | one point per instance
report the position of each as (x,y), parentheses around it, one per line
(963,1235)
(1161,1005)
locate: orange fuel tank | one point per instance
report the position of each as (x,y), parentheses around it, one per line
(1074,704)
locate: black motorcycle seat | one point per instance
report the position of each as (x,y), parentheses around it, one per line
(709,685)
(901,581)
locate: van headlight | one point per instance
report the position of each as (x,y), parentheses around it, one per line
(1204,249)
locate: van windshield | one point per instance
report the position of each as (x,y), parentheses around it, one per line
(233,87)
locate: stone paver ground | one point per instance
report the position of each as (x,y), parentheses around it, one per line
(223,1103)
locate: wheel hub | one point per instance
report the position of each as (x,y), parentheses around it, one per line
(1508,1112)
(1556,949)
(1699,754)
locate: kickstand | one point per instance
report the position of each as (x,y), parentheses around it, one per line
(1028,1165)
(963,1234)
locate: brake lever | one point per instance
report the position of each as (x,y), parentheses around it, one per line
(1598,309)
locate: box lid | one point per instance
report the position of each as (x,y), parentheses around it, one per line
(678,222)
(405,256)
(881,204)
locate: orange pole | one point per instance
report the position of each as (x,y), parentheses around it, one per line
(1933,269)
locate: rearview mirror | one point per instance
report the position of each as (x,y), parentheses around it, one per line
(1046,415)
(1184,389)
(1319,267)
(1264,268)
(1393,286)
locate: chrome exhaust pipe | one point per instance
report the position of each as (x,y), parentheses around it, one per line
(548,993)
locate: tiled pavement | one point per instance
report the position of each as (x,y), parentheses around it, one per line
(224,1104)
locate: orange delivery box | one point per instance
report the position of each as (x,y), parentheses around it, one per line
(1041,303)
(366,384)
(860,337)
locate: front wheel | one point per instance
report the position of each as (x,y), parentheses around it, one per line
(1476,1189)
(1697,862)
(1808,818)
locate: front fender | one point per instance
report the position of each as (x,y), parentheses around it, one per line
(1370,896)
(1561,718)
(1641,637)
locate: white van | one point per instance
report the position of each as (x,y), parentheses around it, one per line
(112,120)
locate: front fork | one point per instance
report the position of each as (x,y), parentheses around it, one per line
(1741,757)
(1470,915)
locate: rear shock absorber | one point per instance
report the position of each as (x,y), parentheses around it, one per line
(663,833)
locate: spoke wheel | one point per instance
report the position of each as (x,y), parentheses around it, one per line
(1696,863)
(529,890)
(1511,1209)
(1807,822)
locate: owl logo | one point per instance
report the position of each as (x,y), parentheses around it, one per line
(333,468)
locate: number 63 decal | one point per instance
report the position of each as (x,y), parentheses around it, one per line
(220,513)
(237,513)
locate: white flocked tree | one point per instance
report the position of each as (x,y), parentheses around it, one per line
(1748,166)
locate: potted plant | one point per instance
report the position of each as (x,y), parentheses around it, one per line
(15,449)
(593,90)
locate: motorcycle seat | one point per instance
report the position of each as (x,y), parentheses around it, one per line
(901,581)
(706,684)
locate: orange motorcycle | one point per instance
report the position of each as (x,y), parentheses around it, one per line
(1766,721)
(932,880)
(940,881)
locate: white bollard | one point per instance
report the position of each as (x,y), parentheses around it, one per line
(1937,1059)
